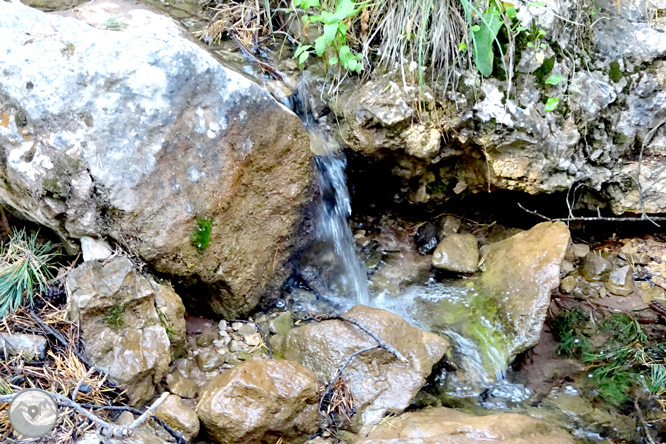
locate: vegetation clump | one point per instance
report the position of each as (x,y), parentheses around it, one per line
(200,238)
(114,316)
(25,267)
(622,364)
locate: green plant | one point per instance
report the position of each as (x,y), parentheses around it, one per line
(334,34)
(200,238)
(551,104)
(25,267)
(115,316)
(114,23)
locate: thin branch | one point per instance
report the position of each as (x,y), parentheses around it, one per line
(105,428)
(75,393)
(591,218)
(647,139)
(330,385)
(641,418)
(388,347)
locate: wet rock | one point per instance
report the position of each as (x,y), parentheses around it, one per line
(655,293)
(520,274)
(260,401)
(95,249)
(567,284)
(448,426)
(447,226)
(580,250)
(30,347)
(208,359)
(281,324)
(378,381)
(171,312)
(621,281)
(121,330)
(426,238)
(181,385)
(179,416)
(458,253)
(595,267)
(119,133)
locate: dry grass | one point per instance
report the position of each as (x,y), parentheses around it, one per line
(59,373)
(340,405)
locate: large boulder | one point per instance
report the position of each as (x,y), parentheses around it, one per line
(379,382)
(138,134)
(123,329)
(448,426)
(261,401)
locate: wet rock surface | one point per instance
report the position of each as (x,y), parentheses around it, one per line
(378,381)
(179,416)
(260,401)
(121,329)
(458,253)
(213,144)
(448,426)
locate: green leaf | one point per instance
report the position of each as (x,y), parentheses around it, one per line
(555,79)
(543,46)
(320,45)
(521,28)
(303,57)
(483,41)
(305,19)
(345,54)
(342,28)
(530,45)
(307,4)
(551,104)
(462,46)
(511,12)
(330,32)
(476,28)
(333,61)
(302,48)
(352,64)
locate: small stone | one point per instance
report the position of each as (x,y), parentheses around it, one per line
(30,347)
(179,416)
(602,292)
(643,285)
(208,360)
(247,329)
(582,290)
(580,250)
(95,249)
(448,226)
(223,325)
(567,267)
(253,340)
(426,238)
(458,253)
(235,326)
(655,293)
(222,342)
(595,267)
(233,346)
(281,324)
(125,418)
(621,282)
(567,284)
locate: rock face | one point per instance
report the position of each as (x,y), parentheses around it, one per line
(261,401)
(122,329)
(520,274)
(379,382)
(609,101)
(192,166)
(448,426)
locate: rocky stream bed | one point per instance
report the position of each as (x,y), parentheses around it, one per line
(501,278)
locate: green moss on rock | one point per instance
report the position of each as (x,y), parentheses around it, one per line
(200,238)
(615,74)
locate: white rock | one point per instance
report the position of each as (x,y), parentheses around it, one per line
(95,249)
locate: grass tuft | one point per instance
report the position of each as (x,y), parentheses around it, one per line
(25,267)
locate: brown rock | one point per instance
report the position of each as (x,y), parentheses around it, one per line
(595,267)
(379,382)
(568,284)
(448,426)
(621,281)
(261,401)
(179,416)
(458,253)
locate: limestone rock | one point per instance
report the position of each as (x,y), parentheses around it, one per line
(95,249)
(520,274)
(31,347)
(121,329)
(179,416)
(448,426)
(621,281)
(380,383)
(98,148)
(595,267)
(458,253)
(260,401)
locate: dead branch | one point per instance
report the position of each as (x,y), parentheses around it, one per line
(641,418)
(593,218)
(388,347)
(75,393)
(105,428)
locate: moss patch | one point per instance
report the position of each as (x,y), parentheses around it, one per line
(200,238)
(620,139)
(543,71)
(615,74)
(115,317)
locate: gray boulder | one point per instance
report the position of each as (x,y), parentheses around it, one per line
(141,136)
